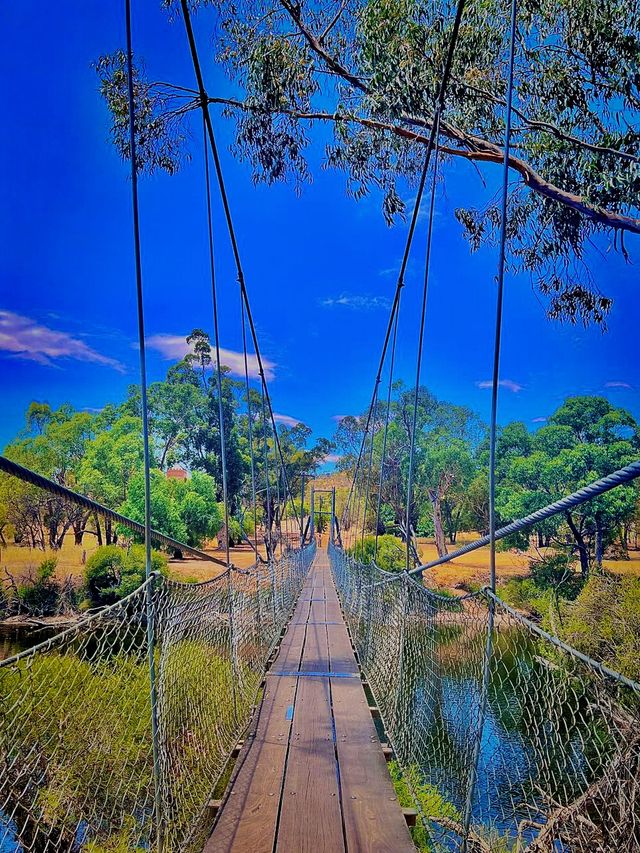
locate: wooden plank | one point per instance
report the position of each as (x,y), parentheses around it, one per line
(318,611)
(311,784)
(291,649)
(315,657)
(310,818)
(249,818)
(373,820)
(341,657)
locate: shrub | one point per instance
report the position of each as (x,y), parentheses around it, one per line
(604,622)
(391,552)
(409,788)
(112,572)
(40,595)
(556,572)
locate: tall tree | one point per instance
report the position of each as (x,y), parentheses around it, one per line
(585,439)
(370,70)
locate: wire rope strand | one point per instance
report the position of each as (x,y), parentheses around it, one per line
(423,313)
(157,777)
(204,104)
(386,432)
(250,430)
(500,298)
(216,331)
(414,219)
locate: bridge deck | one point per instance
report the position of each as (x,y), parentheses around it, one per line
(313,775)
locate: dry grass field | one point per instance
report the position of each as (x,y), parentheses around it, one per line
(472,569)
(20,561)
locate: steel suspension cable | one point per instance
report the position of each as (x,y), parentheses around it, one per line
(26,475)
(368,482)
(475,760)
(204,104)
(216,331)
(423,312)
(500,299)
(386,431)
(265,451)
(414,218)
(145,433)
(250,430)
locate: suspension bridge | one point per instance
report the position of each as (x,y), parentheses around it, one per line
(312,701)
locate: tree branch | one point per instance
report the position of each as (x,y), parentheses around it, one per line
(545,126)
(477,150)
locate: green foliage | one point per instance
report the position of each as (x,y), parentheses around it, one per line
(186,510)
(409,789)
(586,438)
(391,552)
(524,594)
(556,571)
(62,698)
(112,572)
(372,71)
(40,596)
(604,622)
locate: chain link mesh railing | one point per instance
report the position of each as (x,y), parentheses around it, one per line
(509,739)
(76,750)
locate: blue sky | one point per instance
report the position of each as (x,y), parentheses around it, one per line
(320,268)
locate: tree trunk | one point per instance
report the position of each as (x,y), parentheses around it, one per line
(599,536)
(583,551)
(441,544)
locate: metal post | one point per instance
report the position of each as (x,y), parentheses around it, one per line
(155,738)
(333,516)
(232,643)
(312,529)
(272,572)
(302,512)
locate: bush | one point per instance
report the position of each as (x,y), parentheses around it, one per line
(41,595)
(408,786)
(556,572)
(112,572)
(391,554)
(524,594)
(604,622)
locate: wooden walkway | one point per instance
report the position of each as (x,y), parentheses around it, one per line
(312,776)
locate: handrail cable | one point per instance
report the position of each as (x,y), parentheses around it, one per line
(8,466)
(598,487)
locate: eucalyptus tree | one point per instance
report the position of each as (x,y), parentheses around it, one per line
(586,438)
(369,70)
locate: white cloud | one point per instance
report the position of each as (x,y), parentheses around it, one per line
(287,420)
(27,339)
(538,420)
(175,347)
(617,384)
(338,418)
(332,458)
(357,302)
(509,384)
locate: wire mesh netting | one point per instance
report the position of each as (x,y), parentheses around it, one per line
(76,746)
(508,740)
